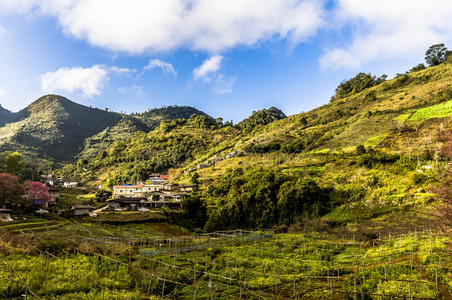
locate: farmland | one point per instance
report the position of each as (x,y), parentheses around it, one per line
(100,262)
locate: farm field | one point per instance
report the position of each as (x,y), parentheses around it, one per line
(222,265)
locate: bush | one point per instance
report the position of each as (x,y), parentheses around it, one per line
(295,146)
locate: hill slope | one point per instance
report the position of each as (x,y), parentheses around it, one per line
(56,129)
(360,156)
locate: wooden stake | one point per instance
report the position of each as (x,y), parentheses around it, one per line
(409,290)
(163,289)
(436,276)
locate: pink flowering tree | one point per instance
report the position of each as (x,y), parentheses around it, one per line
(37,193)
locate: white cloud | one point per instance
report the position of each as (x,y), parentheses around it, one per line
(157,63)
(137,26)
(223,84)
(89,81)
(137,90)
(210,65)
(3,93)
(208,72)
(388,29)
(2,30)
(120,70)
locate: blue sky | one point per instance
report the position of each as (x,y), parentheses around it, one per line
(226,58)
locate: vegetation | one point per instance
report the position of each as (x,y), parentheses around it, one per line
(357,84)
(436,54)
(261,117)
(11,190)
(262,199)
(153,117)
(334,193)
(53,130)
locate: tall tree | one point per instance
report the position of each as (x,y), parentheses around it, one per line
(11,191)
(436,54)
(12,163)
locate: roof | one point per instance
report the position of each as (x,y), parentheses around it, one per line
(5,210)
(82,207)
(128,199)
(128,186)
(165,177)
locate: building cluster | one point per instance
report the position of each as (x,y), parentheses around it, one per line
(58,182)
(154,194)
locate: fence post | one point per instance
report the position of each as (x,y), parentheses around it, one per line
(149,285)
(163,289)
(411,259)
(436,276)
(409,290)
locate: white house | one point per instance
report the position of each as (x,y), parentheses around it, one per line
(70,184)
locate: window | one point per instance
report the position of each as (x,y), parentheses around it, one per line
(136,189)
(131,191)
(120,191)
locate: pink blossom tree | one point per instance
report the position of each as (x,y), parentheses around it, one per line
(38,193)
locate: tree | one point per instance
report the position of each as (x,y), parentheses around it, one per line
(360,150)
(357,84)
(436,54)
(195,178)
(12,163)
(195,209)
(37,193)
(103,195)
(11,191)
(419,67)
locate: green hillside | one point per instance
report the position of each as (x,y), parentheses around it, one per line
(338,202)
(153,117)
(359,157)
(55,130)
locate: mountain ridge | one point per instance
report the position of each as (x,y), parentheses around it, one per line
(57,129)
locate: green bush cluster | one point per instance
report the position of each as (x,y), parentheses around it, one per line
(263,198)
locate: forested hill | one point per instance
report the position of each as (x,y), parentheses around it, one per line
(372,149)
(55,130)
(154,116)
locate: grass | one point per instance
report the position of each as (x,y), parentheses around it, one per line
(436,111)
(374,141)
(310,265)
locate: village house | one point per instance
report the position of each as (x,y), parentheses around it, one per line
(154,200)
(5,215)
(71,184)
(157,179)
(137,190)
(157,194)
(82,210)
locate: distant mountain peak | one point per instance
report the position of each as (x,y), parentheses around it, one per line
(3,110)
(262,117)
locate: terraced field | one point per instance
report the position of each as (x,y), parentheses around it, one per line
(237,265)
(33,226)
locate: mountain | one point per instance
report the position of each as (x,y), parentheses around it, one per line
(369,153)
(154,116)
(5,116)
(262,117)
(55,129)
